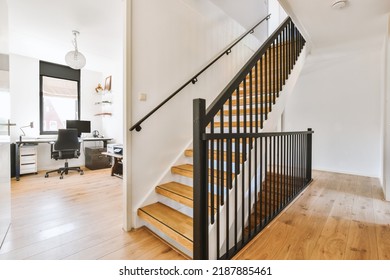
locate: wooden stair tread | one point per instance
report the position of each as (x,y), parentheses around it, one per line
(177,192)
(190,153)
(173,223)
(234,124)
(266,99)
(187,170)
(264,110)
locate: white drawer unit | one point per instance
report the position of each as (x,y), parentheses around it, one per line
(28,159)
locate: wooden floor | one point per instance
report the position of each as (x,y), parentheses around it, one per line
(338,217)
(80,217)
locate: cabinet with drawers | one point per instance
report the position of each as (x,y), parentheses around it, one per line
(28,159)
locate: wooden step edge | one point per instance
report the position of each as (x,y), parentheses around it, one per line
(190,153)
(167,243)
(168,230)
(186,170)
(174,195)
(234,124)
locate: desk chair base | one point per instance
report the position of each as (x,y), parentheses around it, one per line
(65,170)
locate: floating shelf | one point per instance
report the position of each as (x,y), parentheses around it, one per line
(103,114)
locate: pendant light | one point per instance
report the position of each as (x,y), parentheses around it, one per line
(75,59)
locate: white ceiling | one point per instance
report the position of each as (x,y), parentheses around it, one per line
(43,28)
(360,20)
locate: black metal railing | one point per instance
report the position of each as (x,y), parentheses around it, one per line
(233,160)
(194,79)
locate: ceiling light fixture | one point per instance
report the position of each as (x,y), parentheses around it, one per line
(337,5)
(75,59)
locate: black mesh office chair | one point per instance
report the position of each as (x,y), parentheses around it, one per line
(66,147)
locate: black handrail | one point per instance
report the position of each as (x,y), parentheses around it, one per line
(194,79)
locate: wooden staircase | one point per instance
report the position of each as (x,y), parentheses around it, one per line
(256,88)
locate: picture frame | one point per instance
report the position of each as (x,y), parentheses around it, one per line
(107,84)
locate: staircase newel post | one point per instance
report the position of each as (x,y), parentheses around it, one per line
(309,156)
(201,235)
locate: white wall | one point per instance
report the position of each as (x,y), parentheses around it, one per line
(338,95)
(243,13)
(4,27)
(172,41)
(385,98)
(24,88)
(278,15)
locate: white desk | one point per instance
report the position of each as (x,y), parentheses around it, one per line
(117,167)
(36,141)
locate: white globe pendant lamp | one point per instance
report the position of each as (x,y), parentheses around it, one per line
(75,59)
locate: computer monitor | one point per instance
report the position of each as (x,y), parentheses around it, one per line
(81,126)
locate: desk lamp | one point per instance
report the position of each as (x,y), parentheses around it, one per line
(31,125)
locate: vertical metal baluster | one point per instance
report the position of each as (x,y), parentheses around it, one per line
(227,190)
(249,188)
(238,109)
(243,188)
(257,97)
(291,47)
(285,56)
(244,107)
(295,163)
(293,43)
(230,115)
(269,87)
(273,166)
(261,182)
(290,151)
(284,170)
(262,80)
(237,171)
(220,156)
(274,73)
(266,186)
(278,173)
(304,158)
(266,83)
(256,184)
(278,89)
(251,101)
(288,51)
(210,155)
(219,196)
(300,161)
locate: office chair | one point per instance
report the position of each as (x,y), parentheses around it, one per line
(66,147)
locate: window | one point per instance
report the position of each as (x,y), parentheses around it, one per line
(59,96)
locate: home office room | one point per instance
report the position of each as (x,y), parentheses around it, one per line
(62,111)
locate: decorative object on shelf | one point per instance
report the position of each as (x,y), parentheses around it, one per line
(99,88)
(31,125)
(107,84)
(75,59)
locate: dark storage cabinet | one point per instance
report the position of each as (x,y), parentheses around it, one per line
(95,160)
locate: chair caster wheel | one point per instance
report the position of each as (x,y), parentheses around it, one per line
(46,175)
(82,173)
(61,177)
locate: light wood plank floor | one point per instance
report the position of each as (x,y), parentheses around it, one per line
(79,217)
(338,217)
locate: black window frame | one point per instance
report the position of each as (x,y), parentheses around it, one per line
(53,70)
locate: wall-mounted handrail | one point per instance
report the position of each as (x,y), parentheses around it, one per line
(194,79)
